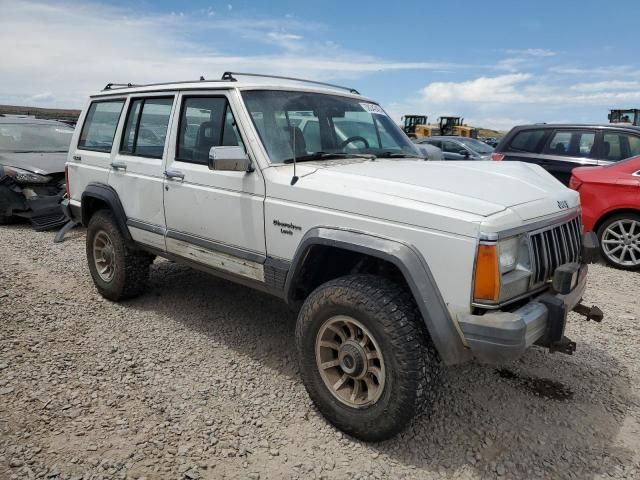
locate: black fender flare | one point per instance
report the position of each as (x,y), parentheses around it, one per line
(413,267)
(108,195)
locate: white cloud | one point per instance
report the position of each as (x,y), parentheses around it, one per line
(500,89)
(533,52)
(74,49)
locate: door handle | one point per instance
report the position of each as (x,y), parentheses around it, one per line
(119,166)
(77,158)
(174,174)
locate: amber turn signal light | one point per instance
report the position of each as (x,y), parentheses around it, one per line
(487,276)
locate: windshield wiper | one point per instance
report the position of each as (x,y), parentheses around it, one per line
(328,156)
(398,155)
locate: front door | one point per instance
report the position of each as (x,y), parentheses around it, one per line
(138,165)
(213,218)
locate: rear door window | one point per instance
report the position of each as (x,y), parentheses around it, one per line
(100,125)
(571,143)
(618,146)
(146,130)
(528,141)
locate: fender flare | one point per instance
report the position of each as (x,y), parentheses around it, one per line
(108,195)
(413,267)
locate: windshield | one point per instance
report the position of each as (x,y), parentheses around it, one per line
(477,146)
(325,124)
(31,137)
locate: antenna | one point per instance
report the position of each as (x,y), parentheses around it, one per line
(295,177)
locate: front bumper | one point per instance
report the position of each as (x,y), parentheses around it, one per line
(40,204)
(498,337)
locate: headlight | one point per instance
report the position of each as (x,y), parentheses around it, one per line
(503,270)
(24,176)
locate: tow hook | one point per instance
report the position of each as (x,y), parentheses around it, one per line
(591,313)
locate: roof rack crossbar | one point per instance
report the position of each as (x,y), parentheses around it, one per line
(228,76)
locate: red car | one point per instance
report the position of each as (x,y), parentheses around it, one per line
(610,198)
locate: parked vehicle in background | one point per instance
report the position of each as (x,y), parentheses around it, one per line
(32,159)
(491,141)
(561,148)
(430,152)
(395,265)
(459,148)
(610,198)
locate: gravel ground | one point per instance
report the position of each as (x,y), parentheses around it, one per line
(198,379)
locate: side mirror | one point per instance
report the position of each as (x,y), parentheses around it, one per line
(464,153)
(230,159)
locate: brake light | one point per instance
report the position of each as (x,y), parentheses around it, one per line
(498,157)
(487,275)
(66,181)
(574,183)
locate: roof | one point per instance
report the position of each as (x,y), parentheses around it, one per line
(606,126)
(30,120)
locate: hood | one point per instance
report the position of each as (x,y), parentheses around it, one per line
(36,162)
(480,188)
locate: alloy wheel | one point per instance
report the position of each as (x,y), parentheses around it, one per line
(621,242)
(350,362)
(104,255)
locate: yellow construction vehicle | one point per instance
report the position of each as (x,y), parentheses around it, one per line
(417,126)
(456,126)
(630,116)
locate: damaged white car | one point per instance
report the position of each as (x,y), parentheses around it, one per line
(33,152)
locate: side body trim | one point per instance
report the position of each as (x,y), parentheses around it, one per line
(411,264)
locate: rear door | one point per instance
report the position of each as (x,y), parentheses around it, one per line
(90,153)
(568,149)
(616,146)
(138,165)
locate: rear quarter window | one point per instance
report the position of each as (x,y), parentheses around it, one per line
(527,141)
(100,125)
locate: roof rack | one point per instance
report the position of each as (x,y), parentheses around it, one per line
(228,76)
(113,86)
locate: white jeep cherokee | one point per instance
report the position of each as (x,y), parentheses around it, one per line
(310,192)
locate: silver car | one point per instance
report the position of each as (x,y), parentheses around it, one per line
(459,148)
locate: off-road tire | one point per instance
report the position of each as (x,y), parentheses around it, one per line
(131,265)
(603,228)
(413,367)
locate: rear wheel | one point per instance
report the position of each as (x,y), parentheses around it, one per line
(366,360)
(620,241)
(119,271)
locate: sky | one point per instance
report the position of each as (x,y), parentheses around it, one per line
(496,63)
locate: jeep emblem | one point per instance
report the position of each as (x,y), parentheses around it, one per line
(563,204)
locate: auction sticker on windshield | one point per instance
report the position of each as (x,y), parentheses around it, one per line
(373,108)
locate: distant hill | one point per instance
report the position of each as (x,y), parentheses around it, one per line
(66,115)
(487,132)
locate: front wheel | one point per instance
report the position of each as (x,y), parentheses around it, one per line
(620,241)
(365,358)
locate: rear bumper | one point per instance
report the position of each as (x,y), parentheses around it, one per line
(498,337)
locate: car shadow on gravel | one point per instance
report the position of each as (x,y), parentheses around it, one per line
(544,415)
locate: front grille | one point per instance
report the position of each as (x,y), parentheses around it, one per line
(553,247)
